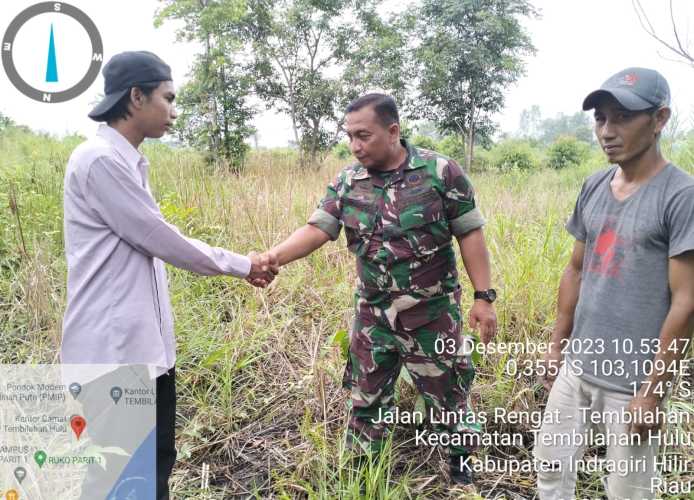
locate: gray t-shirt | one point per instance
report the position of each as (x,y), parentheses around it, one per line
(625,296)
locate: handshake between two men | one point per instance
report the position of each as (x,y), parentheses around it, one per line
(265,266)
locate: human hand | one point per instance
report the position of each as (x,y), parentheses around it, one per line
(264,268)
(482,315)
(549,366)
(646,417)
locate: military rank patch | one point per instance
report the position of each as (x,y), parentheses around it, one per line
(414,180)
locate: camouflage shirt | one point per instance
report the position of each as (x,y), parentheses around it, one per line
(400,224)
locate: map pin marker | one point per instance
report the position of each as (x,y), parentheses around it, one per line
(20,473)
(75,389)
(12,495)
(116,393)
(40,457)
(78,424)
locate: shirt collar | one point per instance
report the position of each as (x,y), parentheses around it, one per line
(131,155)
(415,161)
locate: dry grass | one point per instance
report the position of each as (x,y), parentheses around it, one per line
(259,378)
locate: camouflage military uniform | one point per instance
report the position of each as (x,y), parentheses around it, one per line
(400,224)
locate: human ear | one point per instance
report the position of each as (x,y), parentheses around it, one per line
(394,132)
(661,118)
(137,97)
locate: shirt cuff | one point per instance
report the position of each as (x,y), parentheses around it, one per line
(239,266)
(326,223)
(467,222)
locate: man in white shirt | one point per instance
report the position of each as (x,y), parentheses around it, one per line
(116,242)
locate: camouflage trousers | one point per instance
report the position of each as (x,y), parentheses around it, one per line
(440,369)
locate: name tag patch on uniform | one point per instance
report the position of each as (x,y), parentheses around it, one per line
(362,186)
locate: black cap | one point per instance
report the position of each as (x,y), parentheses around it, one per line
(126,70)
(634,88)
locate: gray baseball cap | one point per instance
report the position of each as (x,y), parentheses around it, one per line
(634,88)
(126,70)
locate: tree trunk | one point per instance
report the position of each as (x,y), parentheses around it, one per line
(292,112)
(295,129)
(212,128)
(470,143)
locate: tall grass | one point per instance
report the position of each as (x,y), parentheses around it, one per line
(259,377)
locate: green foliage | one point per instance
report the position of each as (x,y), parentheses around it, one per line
(381,58)
(483,160)
(567,151)
(342,151)
(514,154)
(262,366)
(578,125)
(5,122)
(470,52)
(407,129)
(547,130)
(312,58)
(214,114)
(453,147)
(423,141)
(289,75)
(341,339)
(683,153)
(530,122)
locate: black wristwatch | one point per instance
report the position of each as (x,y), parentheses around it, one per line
(488,295)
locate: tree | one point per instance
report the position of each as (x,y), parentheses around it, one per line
(547,130)
(470,52)
(530,122)
(297,45)
(5,122)
(306,58)
(313,57)
(676,46)
(214,113)
(577,125)
(381,60)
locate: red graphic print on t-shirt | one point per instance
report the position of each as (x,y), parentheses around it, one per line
(608,253)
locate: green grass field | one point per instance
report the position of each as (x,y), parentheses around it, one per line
(259,376)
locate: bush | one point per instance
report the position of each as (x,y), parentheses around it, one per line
(482,161)
(514,154)
(567,151)
(342,151)
(453,147)
(424,141)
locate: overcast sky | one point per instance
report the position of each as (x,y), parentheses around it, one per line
(579,44)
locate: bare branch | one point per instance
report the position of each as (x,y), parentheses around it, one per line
(683,51)
(647,26)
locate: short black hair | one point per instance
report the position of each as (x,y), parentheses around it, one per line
(383,105)
(120,111)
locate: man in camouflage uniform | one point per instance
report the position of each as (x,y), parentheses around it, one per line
(400,207)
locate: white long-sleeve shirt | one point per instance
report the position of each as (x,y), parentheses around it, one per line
(116,242)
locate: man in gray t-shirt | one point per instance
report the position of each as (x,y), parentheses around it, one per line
(624,296)
(626,299)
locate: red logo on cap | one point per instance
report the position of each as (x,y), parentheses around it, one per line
(629,79)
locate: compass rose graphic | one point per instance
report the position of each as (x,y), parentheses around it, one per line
(48,89)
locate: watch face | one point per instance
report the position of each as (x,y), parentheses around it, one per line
(488,295)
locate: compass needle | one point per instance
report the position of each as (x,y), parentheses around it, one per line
(52,65)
